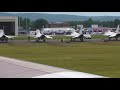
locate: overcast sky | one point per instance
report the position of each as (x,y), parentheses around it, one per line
(88,13)
(84,13)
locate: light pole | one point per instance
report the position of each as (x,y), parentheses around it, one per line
(26,23)
(19,20)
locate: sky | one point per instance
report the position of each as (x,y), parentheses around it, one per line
(87,13)
(82,13)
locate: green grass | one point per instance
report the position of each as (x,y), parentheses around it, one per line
(96,58)
(22,37)
(98,36)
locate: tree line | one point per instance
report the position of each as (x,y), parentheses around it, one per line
(26,23)
(89,22)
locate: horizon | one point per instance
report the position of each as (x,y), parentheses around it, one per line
(78,13)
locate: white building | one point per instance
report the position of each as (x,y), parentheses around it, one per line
(62,30)
(94,26)
(9,24)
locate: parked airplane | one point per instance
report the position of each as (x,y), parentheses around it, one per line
(115,34)
(80,35)
(41,36)
(4,37)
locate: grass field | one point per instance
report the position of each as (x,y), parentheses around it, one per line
(94,57)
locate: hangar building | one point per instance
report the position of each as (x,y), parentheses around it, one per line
(9,24)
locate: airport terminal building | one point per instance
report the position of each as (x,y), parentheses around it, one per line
(9,24)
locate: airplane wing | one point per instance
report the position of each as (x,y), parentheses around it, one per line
(113,35)
(48,37)
(10,37)
(68,35)
(35,36)
(75,36)
(108,33)
(51,35)
(87,35)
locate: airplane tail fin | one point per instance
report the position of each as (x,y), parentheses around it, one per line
(2,32)
(81,29)
(118,28)
(37,31)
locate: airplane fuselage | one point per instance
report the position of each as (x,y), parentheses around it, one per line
(81,37)
(116,37)
(4,38)
(42,37)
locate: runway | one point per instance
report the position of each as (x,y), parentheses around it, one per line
(14,68)
(53,41)
(59,41)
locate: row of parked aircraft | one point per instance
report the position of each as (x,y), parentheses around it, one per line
(74,35)
(40,35)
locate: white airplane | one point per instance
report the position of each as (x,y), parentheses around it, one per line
(4,37)
(115,34)
(87,36)
(80,35)
(41,36)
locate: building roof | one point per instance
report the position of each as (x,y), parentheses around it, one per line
(57,23)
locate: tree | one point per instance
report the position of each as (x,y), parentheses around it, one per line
(31,24)
(39,23)
(26,23)
(116,22)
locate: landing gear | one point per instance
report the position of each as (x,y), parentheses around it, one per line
(116,38)
(61,40)
(4,39)
(81,38)
(109,38)
(71,40)
(105,40)
(37,40)
(44,40)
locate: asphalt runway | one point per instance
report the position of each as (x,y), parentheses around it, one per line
(54,41)
(67,41)
(14,68)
